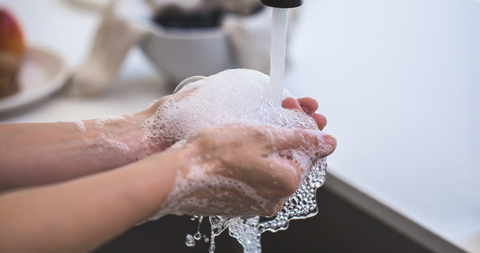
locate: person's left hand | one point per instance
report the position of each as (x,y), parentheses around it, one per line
(305,104)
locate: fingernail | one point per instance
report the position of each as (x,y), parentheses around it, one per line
(330,140)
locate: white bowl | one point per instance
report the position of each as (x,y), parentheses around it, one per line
(181,53)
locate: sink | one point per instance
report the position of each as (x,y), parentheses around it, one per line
(340,226)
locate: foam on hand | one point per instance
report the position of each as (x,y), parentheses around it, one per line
(100,122)
(78,124)
(234,96)
(231,96)
(238,96)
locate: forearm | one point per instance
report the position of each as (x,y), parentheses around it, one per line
(80,215)
(34,154)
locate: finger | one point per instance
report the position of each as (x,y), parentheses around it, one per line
(320,120)
(319,143)
(309,105)
(291,104)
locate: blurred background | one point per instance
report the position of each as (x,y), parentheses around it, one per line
(399,82)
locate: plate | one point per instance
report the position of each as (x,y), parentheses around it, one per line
(42,73)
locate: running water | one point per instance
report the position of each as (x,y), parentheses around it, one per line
(278,52)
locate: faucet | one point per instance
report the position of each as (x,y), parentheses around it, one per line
(282,3)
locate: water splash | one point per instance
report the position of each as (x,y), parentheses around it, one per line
(190,241)
(301,205)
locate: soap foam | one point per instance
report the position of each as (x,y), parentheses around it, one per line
(78,124)
(100,122)
(234,96)
(231,96)
(103,142)
(117,145)
(100,137)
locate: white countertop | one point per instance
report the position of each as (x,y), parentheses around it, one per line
(399,82)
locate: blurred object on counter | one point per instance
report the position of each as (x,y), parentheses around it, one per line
(205,43)
(240,7)
(12,47)
(27,74)
(90,4)
(182,38)
(120,29)
(174,17)
(42,74)
(183,5)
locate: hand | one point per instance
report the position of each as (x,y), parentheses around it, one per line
(306,104)
(244,156)
(235,170)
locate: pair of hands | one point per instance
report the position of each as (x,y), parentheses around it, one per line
(242,156)
(94,207)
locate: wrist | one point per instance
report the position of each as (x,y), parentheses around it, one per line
(111,142)
(116,138)
(154,178)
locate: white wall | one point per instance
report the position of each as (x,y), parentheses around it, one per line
(399,83)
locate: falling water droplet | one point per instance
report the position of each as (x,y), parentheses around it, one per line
(197,236)
(212,247)
(190,241)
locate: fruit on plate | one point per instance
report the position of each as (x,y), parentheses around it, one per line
(12,48)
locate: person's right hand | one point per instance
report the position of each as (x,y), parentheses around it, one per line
(239,169)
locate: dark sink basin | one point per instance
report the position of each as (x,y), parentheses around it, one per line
(340,226)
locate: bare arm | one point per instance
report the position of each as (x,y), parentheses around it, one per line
(80,215)
(42,153)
